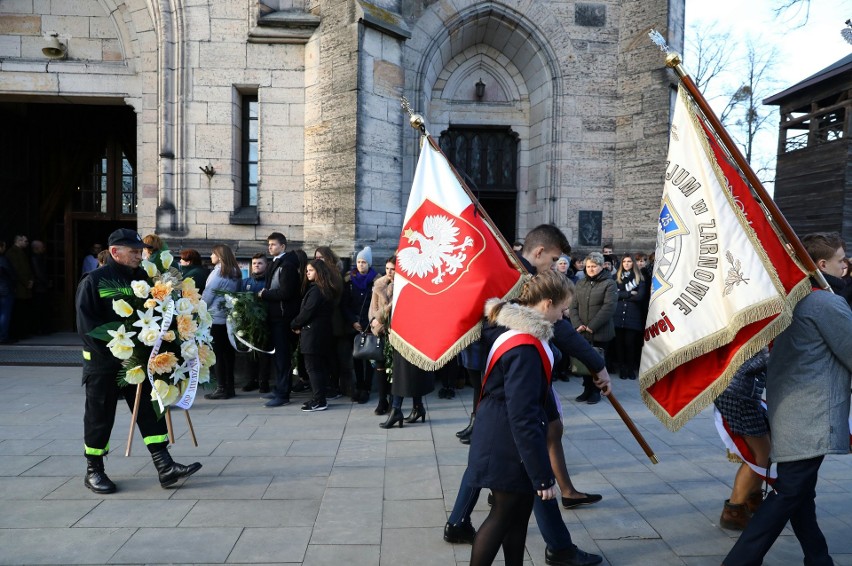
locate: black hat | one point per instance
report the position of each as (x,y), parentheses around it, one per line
(127,237)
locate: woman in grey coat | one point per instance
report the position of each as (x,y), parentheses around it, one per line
(592,313)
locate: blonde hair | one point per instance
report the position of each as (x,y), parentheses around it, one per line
(546,285)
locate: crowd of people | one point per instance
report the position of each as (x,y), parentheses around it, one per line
(574,313)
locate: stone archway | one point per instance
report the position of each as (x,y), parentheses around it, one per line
(449,53)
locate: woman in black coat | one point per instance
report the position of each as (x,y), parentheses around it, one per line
(628,319)
(508,450)
(313,324)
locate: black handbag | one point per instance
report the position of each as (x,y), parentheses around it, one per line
(368,346)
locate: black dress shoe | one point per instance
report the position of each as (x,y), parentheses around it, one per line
(220,393)
(570,557)
(461,533)
(250,386)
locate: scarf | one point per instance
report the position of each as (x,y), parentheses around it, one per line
(360,280)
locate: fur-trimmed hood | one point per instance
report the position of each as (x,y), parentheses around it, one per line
(523,319)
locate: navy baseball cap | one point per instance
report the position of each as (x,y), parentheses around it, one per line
(127,237)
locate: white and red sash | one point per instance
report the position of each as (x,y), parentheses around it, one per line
(509,340)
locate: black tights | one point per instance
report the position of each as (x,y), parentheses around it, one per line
(505,525)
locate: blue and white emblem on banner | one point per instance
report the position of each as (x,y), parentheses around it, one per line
(669,244)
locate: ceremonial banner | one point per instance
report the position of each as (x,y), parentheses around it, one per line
(450,260)
(723,284)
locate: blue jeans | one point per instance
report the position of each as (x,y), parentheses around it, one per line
(547,515)
(792,499)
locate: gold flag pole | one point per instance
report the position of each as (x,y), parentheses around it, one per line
(673,61)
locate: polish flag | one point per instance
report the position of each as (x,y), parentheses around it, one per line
(450,260)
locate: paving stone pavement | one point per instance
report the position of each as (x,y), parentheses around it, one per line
(283,487)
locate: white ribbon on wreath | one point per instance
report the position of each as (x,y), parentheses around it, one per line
(234,336)
(168,313)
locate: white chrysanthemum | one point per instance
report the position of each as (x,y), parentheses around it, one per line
(135,375)
(149,268)
(122,308)
(166,258)
(140,289)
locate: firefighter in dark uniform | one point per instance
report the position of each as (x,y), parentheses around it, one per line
(100,371)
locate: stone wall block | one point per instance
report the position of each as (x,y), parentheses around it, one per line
(102,28)
(213,141)
(19,24)
(223,55)
(10,45)
(74,26)
(85,49)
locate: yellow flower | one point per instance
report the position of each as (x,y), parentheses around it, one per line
(149,268)
(166,258)
(206,355)
(168,393)
(150,303)
(169,336)
(163,363)
(122,308)
(161,290)
(204,374)
(140,289)
(121,345)
(135,375)
(186,326)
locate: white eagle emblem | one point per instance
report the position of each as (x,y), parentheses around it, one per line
(437,250)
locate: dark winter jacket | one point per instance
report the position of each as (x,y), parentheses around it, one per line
(357,293)
(594,305)
(571,345)
(508,449)
(7,277)
(94,310)
(253,284)
(283,288)
(314,321)
(631,298)
(198,273)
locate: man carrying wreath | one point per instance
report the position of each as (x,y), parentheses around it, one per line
(101,368)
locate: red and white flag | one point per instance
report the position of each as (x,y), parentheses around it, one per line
(450,260)
(723,284)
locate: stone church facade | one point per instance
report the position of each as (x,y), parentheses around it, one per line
(225,120)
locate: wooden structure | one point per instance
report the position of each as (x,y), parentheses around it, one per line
(813,176)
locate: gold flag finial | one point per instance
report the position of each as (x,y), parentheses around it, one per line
(416,121)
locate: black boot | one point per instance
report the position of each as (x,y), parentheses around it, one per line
(572,556)
(394,417)
(382,384)
(252,385)
(417,412)
(468,430)
(220,393)
(461,533)
(588,388)
(169,470)
(96,478)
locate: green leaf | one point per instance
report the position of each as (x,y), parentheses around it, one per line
(101,331)
(109,288)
